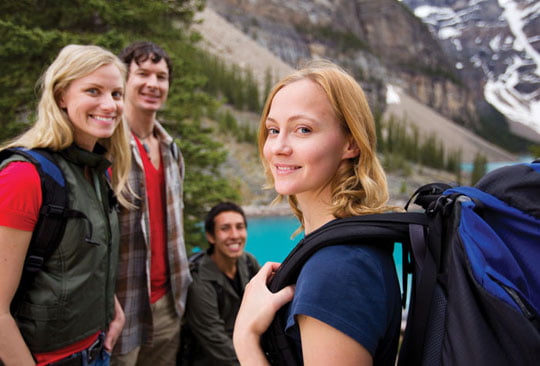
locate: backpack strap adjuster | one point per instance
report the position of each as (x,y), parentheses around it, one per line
(34,263)
(52,210)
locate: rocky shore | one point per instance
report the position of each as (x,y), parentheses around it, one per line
(281,209)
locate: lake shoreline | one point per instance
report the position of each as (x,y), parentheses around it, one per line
(283,209)
(280,209)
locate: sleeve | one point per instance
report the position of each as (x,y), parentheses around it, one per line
(20,196)
(343,286)
(254,264)
(202,316)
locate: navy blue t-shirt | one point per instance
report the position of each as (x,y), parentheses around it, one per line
(355,290)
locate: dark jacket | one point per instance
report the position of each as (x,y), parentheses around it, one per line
(212,306)
(72,297)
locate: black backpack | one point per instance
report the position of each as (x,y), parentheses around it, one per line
(473,253)
(53,214)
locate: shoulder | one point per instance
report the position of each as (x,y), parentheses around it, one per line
(335,268)
(20,195)
(248,267)
(165,138)
(203,268)
(351,258)
(20,176)
(250,259)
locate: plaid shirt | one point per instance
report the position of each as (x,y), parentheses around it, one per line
(133,282)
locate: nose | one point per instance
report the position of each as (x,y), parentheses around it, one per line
(108,103)
(235,233)
(280,145)
(152,81)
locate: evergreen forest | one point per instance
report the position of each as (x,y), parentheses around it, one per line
(32,32)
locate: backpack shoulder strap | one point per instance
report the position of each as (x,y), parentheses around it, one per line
(194,261)
(378,229)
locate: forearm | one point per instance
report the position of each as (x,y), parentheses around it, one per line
(258,308)
(13,349)
(248,349)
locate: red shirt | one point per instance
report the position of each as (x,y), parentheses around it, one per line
(20,196)
(20,201)
(155,194)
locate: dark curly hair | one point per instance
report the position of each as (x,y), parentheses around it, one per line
(209,222)
(142,51)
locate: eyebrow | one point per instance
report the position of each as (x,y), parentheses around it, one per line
(295,117)
(100,86)
(162,73)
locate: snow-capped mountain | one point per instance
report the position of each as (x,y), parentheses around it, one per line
(495,44)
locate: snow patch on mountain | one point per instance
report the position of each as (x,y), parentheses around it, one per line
(500,90)
(500,49)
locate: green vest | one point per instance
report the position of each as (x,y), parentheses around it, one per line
(72,297)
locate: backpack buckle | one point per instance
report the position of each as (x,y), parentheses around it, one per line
(34,263)
(52,210)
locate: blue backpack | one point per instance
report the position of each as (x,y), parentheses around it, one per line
(474,257)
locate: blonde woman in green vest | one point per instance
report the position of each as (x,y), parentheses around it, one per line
(69,314)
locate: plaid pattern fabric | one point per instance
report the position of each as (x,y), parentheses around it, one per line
(133,281)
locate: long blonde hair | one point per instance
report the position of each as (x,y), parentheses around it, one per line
(54,130)
(359,186)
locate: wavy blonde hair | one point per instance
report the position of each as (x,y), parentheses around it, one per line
(359,186)
(54,130)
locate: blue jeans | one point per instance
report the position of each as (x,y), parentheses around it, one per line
(103,360)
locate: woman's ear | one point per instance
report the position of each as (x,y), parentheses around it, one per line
(60,101)
(351,149)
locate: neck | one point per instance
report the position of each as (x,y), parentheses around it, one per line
(316,212)
(141,122)
(143,137)
(225,265)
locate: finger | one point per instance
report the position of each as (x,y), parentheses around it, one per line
(265,272)
(284,295)
(108,343)
(270,267)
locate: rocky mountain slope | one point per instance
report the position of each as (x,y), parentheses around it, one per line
(378,41)
(232,44)
(494,44)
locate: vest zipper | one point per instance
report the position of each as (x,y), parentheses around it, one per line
(98,184)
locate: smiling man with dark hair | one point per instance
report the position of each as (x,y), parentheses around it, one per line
(219,278)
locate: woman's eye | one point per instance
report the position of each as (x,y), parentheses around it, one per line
(92,91)
(117,95)
(304,130)
(272,131)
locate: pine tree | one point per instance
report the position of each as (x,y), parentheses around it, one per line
(479,168)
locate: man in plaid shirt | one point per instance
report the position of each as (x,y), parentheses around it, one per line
(153,273)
